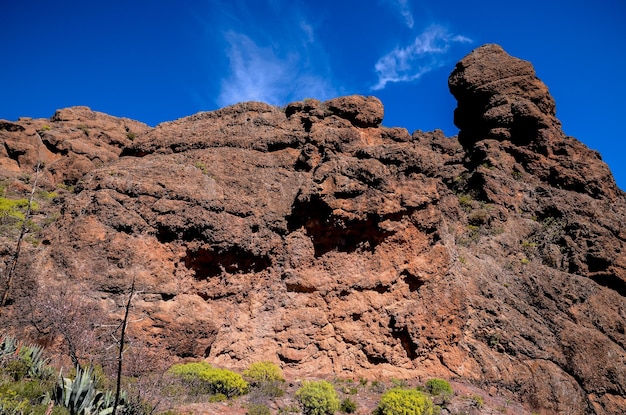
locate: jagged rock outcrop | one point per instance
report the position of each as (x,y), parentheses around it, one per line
(317,238)
(71,143)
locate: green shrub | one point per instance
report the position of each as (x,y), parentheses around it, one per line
(440,389)
(201,166)
(14,209)
(351,390)
(211,380)
(17,369)
(226,382)
(263,372)
(318,398)
(36,364)
(348,406)
(404,402)
(399,383)
(266,378)
(11,403)
(258,409)
(190,371)
(466,202)
(14,402)
(218,397)
(290,409)
(436,387)
(84,129)
(478,401)
(377,386)
(479,217)
(273,389)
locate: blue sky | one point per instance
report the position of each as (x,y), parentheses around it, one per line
(159,60)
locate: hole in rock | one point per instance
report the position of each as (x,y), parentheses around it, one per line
(306,124)
(596,264)
(299,288)
(133,152)
(402,334)
(167,296)
(611,281)
(286,360)
(330,233)
(412,281)
(208,263)
(381,289)
(165,234)
(376,360)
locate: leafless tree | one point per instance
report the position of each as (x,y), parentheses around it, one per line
(59,311)
(120,356)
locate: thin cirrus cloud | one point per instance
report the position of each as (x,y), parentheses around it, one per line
(409,63)
(275,73)
(405,11)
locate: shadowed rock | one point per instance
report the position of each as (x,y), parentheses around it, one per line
(499,96)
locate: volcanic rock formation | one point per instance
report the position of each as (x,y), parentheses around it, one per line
(317,238)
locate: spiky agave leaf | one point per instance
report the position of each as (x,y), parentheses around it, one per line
(76,394)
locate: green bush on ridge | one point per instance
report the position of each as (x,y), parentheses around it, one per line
(318,398)
(405,402)
(440,389)
(348,406)
(204,378)
(436,386)
(263,372)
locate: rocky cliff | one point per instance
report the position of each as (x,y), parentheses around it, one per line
(315,237)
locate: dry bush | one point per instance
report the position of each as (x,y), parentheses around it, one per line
(61,313)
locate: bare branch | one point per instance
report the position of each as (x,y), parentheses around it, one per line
(121,349)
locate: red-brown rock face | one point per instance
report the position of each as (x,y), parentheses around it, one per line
(317,238)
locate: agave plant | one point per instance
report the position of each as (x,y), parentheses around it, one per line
(30,357)
(80,396)
(76,394)
(105,401)
(8,346)
(37,364)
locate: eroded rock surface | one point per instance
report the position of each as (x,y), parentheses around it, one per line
(319,239)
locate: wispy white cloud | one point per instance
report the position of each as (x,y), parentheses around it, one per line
(255,73)
(405,11)
(308,31)
(403,8)
(258,73)
(274,65)
(426,53)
